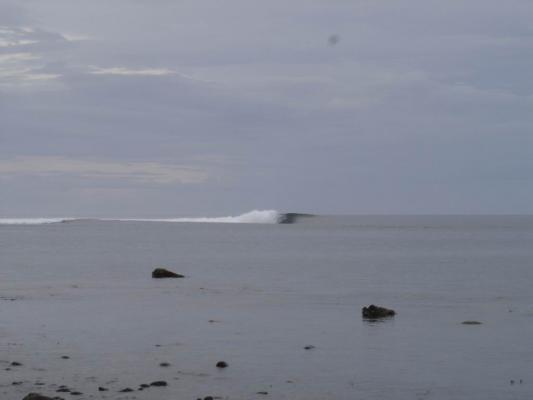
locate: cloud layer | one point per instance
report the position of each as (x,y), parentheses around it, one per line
(142,172)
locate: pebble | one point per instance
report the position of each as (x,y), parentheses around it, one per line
(222,364)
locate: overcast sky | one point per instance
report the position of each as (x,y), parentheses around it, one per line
(131,108)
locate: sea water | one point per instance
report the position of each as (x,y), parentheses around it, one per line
(255,294)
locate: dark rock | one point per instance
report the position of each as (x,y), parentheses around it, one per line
(76,393)
(16,364)
(165,273)
(158,383)
(222,364)
(164,364)
(309,347)
(208,398)
(263,393)
(102,389)
(375,312)
(36,396)
(126,390)
(471,323)
(16,383)
(63,390)
(144,385)
(65,357)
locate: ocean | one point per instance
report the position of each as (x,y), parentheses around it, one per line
(256,293)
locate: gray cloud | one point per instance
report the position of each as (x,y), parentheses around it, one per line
(94,169)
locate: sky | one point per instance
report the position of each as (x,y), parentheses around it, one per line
(165,108)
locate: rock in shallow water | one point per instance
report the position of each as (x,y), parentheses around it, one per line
(165,273)
(36,396)
(375,312)
(222,364)
(471,323)
(158,383)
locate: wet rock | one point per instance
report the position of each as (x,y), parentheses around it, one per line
(76,393)
(63,390)
(164,364)
(144,385)
(126,390)
(102,389)
(65,357)
(17,383)
(222,364)
(208,398)
(309,347)
(36,396)
(165,273)
(263,393)
(158,383)
(375,312)
(16,364)
(471,323)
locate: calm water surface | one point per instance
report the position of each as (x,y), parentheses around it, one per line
(84,289)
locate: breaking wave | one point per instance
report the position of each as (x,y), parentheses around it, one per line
(252,217)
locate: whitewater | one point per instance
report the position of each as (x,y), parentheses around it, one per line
(252,217)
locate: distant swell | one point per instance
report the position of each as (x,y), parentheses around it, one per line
(252,217)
